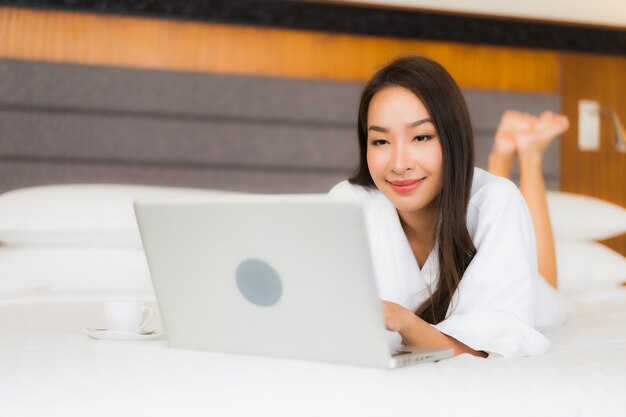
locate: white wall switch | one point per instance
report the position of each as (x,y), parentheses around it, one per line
(588,125)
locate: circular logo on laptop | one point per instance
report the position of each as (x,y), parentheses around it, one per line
(259,283)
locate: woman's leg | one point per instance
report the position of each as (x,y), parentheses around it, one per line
(530,137)
(530,147)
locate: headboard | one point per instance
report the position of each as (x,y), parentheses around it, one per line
(62,123)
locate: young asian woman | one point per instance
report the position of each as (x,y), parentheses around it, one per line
(453,246)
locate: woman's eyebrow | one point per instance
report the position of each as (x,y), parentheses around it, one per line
(378,129)
(420,122)
(410,125)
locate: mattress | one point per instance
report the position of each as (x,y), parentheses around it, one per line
(50,367)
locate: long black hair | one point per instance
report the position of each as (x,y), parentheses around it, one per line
(443,99)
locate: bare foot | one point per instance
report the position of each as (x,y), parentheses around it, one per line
(512,123)
(504,145)
(534,141)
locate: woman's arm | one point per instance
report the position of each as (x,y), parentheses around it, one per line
(417,332)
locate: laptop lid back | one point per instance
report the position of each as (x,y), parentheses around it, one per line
(283,276)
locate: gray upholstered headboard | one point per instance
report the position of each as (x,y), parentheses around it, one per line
(76,124)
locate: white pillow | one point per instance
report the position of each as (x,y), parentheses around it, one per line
(579,217)
(78,214)
(584,266)
(86,269)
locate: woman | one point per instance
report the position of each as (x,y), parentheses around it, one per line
(453,246)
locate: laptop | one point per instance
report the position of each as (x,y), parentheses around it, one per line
(286,276)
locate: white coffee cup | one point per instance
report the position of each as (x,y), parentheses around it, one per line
(126,316)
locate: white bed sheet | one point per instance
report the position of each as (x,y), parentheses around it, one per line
(48,367)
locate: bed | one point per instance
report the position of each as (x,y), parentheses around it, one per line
(70,248)
(76,149)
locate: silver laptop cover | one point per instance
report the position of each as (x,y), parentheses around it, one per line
(282,276)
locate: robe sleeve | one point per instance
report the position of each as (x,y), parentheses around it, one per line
(492,309)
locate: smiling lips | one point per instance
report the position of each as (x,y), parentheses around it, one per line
(405,186)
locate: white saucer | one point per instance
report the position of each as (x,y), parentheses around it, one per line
(104,334)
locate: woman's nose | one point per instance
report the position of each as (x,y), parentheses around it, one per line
(401,160)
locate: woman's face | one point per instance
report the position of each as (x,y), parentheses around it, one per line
(404,154)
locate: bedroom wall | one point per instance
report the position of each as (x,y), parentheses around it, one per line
(599,12)
(132,42)
(108,40)
(601,173)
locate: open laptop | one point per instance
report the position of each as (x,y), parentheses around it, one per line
(284,276)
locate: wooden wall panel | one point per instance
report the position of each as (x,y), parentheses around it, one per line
(190,46)
(603,173)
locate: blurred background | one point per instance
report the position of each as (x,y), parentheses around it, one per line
(262,96)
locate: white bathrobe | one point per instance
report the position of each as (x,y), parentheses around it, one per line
(501,300)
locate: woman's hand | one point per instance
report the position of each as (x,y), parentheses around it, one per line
(417,332)
(396,317)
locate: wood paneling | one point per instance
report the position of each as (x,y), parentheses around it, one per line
(190,46)
(603,173)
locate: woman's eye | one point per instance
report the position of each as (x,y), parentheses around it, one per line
(378,142)
(422,138)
